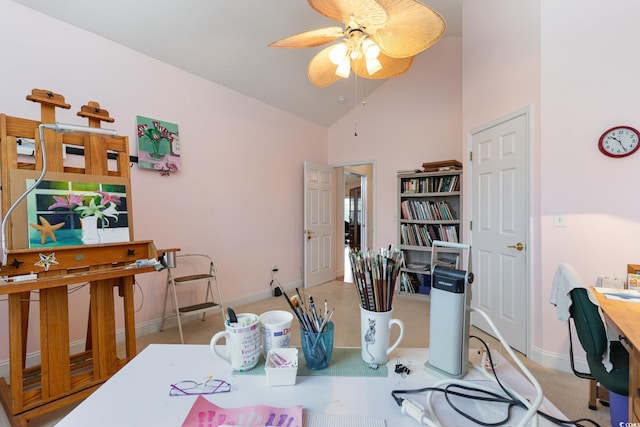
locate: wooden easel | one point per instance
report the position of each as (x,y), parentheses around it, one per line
(63,378)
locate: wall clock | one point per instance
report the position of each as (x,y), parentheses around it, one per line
(619,141)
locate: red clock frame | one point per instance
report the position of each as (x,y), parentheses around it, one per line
(617,156)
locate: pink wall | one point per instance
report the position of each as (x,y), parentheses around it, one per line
(240,195)
(501,74)
(589,84)
(579,75)
(409,120)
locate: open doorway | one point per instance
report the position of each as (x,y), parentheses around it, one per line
(352,210)
(355,212)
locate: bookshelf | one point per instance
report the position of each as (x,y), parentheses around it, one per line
(429,208)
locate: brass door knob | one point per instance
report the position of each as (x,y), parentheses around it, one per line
(519,246)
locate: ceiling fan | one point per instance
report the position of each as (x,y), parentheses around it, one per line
(380,38)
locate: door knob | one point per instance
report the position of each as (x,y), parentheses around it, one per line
(309,233)
(519,246)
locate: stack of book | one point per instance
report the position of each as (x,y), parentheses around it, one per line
(444,165)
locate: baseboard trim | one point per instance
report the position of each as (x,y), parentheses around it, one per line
(557,361)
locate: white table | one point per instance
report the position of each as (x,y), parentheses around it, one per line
(138,395)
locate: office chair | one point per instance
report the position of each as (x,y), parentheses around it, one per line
(593,338)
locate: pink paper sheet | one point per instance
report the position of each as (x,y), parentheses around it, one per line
(205,414)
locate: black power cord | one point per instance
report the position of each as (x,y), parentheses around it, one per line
(469,392)
(277,291)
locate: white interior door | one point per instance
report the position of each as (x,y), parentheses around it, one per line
(319,224)
(500,227)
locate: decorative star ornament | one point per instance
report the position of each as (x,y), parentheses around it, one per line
(46,229)
(16,263)
(46,261)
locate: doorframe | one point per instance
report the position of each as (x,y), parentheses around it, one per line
(368,220)
(530,202)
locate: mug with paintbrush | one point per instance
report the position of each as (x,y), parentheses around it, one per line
(242,336)
(375,275)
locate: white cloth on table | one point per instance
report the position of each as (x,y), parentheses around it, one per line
(566,279)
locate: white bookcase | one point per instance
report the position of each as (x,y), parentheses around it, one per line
(429,208)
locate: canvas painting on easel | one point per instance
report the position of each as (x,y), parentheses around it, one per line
(158,145)
(67,213)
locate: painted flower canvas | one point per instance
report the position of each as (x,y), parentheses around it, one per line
(65,213)
(158,145)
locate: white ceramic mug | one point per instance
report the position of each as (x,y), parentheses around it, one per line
(375,328)
(275,328)
(243,342)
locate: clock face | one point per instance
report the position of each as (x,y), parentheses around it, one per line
(619,141)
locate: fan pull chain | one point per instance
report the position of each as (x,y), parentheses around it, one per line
(364,93)
(355,100)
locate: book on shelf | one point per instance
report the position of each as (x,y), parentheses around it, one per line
(418,266)
(444,165)
(450,260)
(425,210)
(406,285)
(418,235)
(408,171)
(431,184)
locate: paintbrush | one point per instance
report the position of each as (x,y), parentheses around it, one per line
(284,294)
(296,302)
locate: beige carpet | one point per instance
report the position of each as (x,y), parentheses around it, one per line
(567,392)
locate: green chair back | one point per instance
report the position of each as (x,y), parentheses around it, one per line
(588,322)
(593,338)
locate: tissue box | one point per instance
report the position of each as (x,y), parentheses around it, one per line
(281,366)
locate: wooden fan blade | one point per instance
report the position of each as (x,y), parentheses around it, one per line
(310,38)
(321,71)
(391,67)
(364,13)
(411,28)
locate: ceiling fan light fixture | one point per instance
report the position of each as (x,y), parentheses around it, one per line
(379,39)
(370,49)
(344,68)
(338,53)
(373,66)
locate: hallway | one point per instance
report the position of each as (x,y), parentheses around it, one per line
(348,275)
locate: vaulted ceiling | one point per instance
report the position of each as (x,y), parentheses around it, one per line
(225,41)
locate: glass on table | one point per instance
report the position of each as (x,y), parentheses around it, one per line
(317,347)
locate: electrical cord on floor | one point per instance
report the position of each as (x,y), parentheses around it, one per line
(277,290)
(465,389)
(137,285)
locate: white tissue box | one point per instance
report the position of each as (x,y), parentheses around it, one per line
(281,366)
(611,282)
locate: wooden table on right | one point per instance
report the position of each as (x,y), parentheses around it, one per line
(622,317)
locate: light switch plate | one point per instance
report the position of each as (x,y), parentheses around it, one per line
(559,219)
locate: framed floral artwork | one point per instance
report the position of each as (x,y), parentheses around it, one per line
(158,145)
(71,210)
